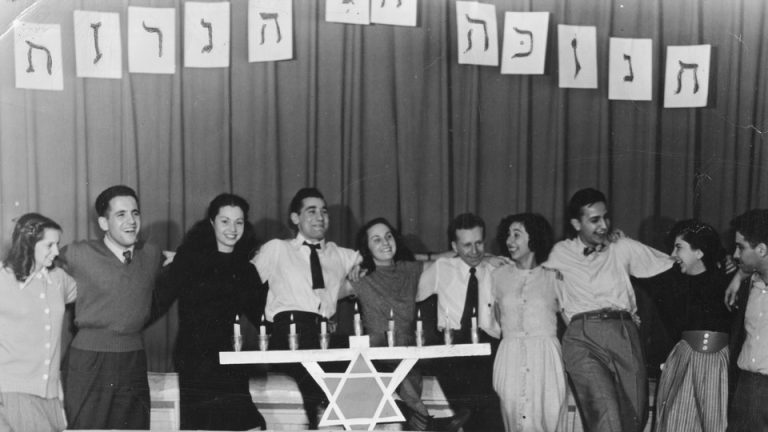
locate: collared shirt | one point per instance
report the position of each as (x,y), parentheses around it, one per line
(448,278)
(601,279)
(116,248)
(754,353)
(284,264)
(31,317)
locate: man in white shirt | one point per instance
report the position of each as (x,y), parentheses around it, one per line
(304,276)
(748,407)
(463,288)
(601,346)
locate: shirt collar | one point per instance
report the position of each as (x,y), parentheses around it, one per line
(42,273)
(116,248)
(300,239)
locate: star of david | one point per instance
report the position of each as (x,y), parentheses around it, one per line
(361,395)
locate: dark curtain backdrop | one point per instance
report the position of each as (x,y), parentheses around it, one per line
(386,123)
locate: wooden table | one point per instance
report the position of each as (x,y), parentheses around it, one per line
(361,395)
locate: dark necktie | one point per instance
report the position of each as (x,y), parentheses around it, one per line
(470,304)
(127,257)
(314,264)
(589,250)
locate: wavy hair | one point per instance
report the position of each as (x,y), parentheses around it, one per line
(401,254)
(30,229)
(202,239)
(540,236)
(702,237)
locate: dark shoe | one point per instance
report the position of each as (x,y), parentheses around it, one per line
(452,424)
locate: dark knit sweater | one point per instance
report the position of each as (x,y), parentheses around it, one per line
(113,298)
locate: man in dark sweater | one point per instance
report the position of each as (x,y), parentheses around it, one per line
(105,370)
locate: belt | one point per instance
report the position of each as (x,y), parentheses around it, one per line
(706,341)
(603,314)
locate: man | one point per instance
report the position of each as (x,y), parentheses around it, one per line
(601,347)
(463,288)
(748,407)
(304,276)
(105,374)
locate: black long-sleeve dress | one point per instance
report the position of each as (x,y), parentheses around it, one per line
(212,288)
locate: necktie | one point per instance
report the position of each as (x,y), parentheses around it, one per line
(314,264)
(592,249)
(127,257)
(470,304)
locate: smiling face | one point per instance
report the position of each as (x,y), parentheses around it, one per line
(381,243)
(228,226)
(469,245)
(47,249)
(593,224)
(747,257)
(312,219)
(518,242)
(687,257)
(122,221)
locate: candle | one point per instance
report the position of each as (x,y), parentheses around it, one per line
(262,327)
(293,326)
(357,323)
(236,329)
(391,321)
(474,318)
(419,327)
(323,327)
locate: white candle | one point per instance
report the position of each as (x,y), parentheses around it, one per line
(474,318)
(419,327)
(323,327)
(262,327)
(293,326)
(358,324)
(391,321)
(236,329)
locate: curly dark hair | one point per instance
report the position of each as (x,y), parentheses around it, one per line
(464,221)
(30,229)
(201,237)
(702,237)
(402,253)
(540,235)
(753,225)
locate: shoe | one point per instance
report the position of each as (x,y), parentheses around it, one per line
(452,424)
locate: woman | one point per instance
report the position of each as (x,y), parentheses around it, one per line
(528,371)
(215,282)
(693,389)
(388,291)
(33,296)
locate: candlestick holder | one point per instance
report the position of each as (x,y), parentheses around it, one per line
(390,338)
(419,338)
(325,339)
(293,341)
(263,340)
(447,336)
(237,342)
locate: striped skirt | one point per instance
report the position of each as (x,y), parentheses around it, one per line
(693,391)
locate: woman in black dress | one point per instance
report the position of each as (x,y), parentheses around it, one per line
(214,281)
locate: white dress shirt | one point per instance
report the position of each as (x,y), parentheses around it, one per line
(754,353)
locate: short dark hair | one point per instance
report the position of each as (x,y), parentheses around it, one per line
(701,237)
(584,197)
(540,235)
(753,225)
(301,195)
(401,254)
(29,229)
(464,221)
(102,201)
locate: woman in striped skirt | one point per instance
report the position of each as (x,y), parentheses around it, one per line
(693,389)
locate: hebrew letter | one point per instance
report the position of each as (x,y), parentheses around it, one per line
(574,43)
(530,38)
(683,67)
(159,37)
(270,16)
(49,64)
(631,76)
(95,27)
(469,33)
(208,26)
